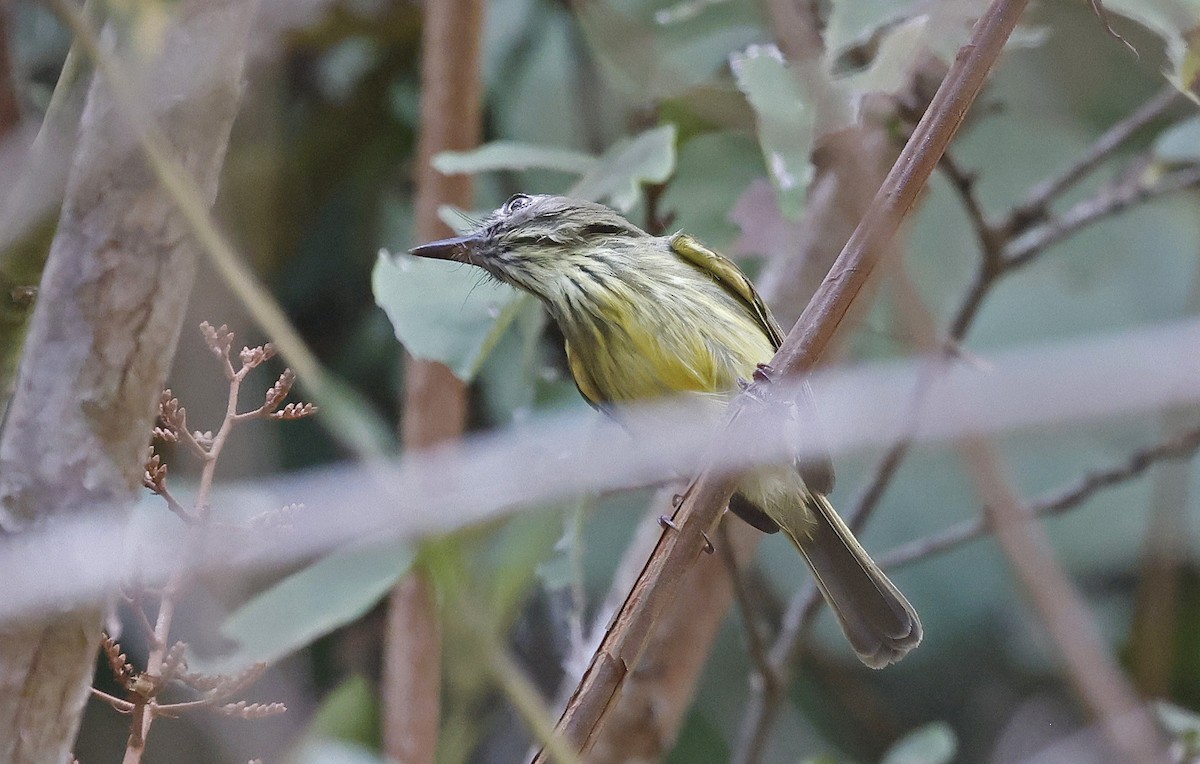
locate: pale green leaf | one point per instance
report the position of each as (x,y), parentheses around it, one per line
(349,714)
(654,53)
(1183,725)
(785,121)
(444,311)
(852,22)
(323,751)
(310,603)
(617,177)
(932,744)
(513,370)
(713,171)
(1180,143)
(512,155)
(894,62)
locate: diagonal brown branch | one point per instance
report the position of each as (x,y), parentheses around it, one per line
(675,553)
(1110,200)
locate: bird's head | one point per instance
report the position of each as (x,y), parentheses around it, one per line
(538,243)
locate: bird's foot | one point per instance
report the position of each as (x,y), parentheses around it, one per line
(667,522)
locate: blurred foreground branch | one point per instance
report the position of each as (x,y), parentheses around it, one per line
(437,491)
(101,339)
(623,644)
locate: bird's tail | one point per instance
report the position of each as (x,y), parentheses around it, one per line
(880,624)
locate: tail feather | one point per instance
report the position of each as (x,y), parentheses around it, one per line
(879,622)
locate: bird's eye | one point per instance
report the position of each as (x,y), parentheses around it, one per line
(517,202)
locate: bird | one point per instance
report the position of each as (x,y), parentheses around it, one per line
(647,316)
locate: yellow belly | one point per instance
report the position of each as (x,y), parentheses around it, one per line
(649,353)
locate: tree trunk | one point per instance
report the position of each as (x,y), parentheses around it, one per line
(100,343)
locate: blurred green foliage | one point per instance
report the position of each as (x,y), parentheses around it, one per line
(671,111)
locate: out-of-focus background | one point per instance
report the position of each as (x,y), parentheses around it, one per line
(685,116)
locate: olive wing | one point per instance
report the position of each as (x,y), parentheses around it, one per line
(731,277)
(817,473)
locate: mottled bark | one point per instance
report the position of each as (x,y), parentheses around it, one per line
(100,343)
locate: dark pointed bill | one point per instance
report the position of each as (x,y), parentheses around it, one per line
(456,249)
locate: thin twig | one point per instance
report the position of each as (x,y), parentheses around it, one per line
(165,661)
(991,240)
(1109,201)
(995,263)
(135,604)
(1098,9)
(121,706)
(1036,205)
(1183,446)
(180,511)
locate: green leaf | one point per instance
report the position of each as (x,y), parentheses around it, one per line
(652,51)
(334,752)
(562,569)
(311,603)
(618,175)
(932,744)
(517,553)
(1177,720)
(512,155)
(894,62)
(349,714)
(852,22)
(785,122)
(510,376)
(1183,725)
(443,311)
(713,171)
(1180,143)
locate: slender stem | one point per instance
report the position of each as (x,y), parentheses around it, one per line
(741,593)
(1183,446)
(996,262)
(1107,202)
(1036,205)
(168,597)
(122,706)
